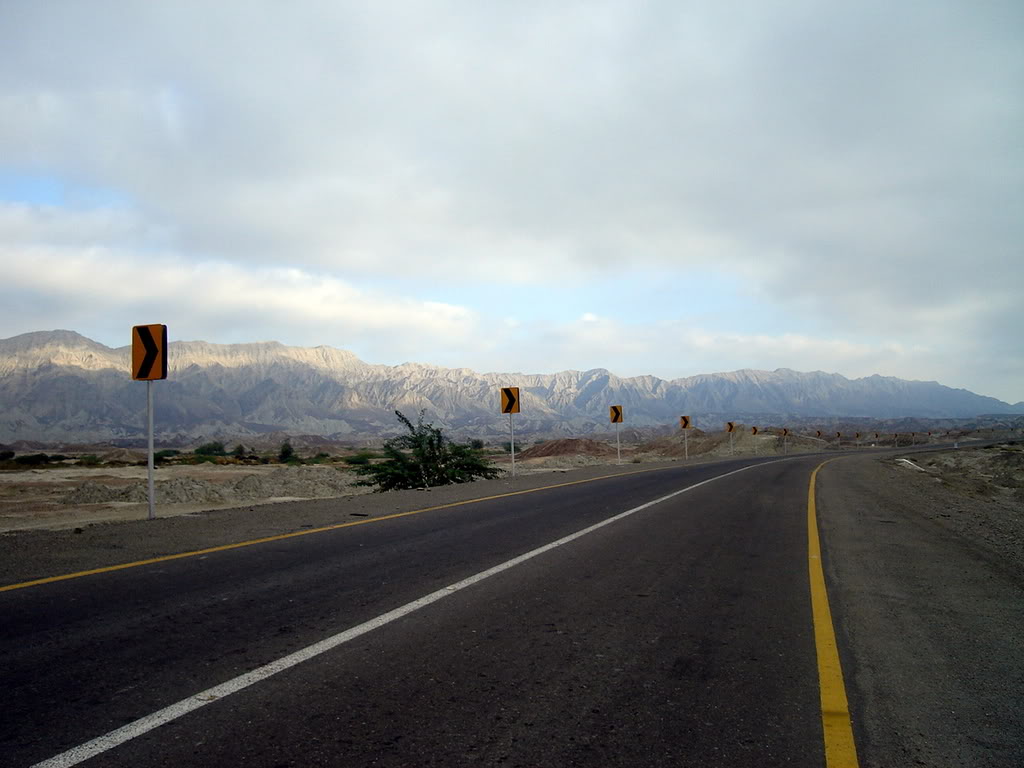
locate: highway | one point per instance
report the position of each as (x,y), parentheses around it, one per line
(579,625)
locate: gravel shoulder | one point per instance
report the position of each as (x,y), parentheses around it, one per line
(924,563)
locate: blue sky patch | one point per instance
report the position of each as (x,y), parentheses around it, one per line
(42,189)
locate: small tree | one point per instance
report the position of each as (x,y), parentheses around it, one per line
(159,456)
(239,452)
(286,451)
(424,458)
(215,448)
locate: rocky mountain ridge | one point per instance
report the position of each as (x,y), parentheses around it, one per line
(59,385)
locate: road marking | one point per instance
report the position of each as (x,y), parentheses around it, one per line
(145,724)
(308,531)
(840,750)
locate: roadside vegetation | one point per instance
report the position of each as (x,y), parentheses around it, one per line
(424,458)
(8,460)
(214,452)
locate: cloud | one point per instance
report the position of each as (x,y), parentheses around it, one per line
(218,300)
(853,170)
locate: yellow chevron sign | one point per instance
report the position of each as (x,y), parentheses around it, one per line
(684,422)
(510,399)
(615,414)
(785,432)
(753,430)
(149,352)
(730,426)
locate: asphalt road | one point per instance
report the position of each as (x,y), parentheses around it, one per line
(679,635)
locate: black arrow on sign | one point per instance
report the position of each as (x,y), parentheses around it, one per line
(510,400)
(152,352)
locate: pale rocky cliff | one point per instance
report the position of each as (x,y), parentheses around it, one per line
(59,385)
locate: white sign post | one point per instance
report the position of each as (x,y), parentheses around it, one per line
(615,417)
(149,363)
(512,442)
(510,405)
(150,463)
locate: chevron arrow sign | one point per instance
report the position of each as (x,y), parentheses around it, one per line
(149,352)
(510,399)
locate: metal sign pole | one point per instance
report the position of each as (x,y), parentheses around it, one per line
(732,450)
(686,445)
(149,419)
(512,432)
(618,445)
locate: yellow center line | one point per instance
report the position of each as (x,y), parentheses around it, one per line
(840,750)
(307,532)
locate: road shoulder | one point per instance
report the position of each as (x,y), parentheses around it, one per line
(36,554)
(929,618)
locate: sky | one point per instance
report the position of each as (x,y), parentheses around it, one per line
(665,188)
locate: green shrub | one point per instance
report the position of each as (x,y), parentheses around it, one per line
(6,455)
(424,458)
(361,458)
(164,455)
(89,460)
(32,459)
(239,452)
(286,453)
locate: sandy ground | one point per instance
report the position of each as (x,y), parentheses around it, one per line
(69,497)
(72,497)
(976,492)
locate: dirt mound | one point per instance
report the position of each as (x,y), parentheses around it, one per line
(568,447)
(123,455)
(993,471)
(697,442)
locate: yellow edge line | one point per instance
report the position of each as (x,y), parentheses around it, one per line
(294,534)
(840,750)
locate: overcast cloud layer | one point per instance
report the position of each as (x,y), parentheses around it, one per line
(662,187)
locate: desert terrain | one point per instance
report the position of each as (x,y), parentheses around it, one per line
(73,495)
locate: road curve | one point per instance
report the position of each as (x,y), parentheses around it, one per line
(681,634)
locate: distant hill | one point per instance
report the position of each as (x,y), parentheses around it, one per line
(61,386)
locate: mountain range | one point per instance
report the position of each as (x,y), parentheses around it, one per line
(61,386)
